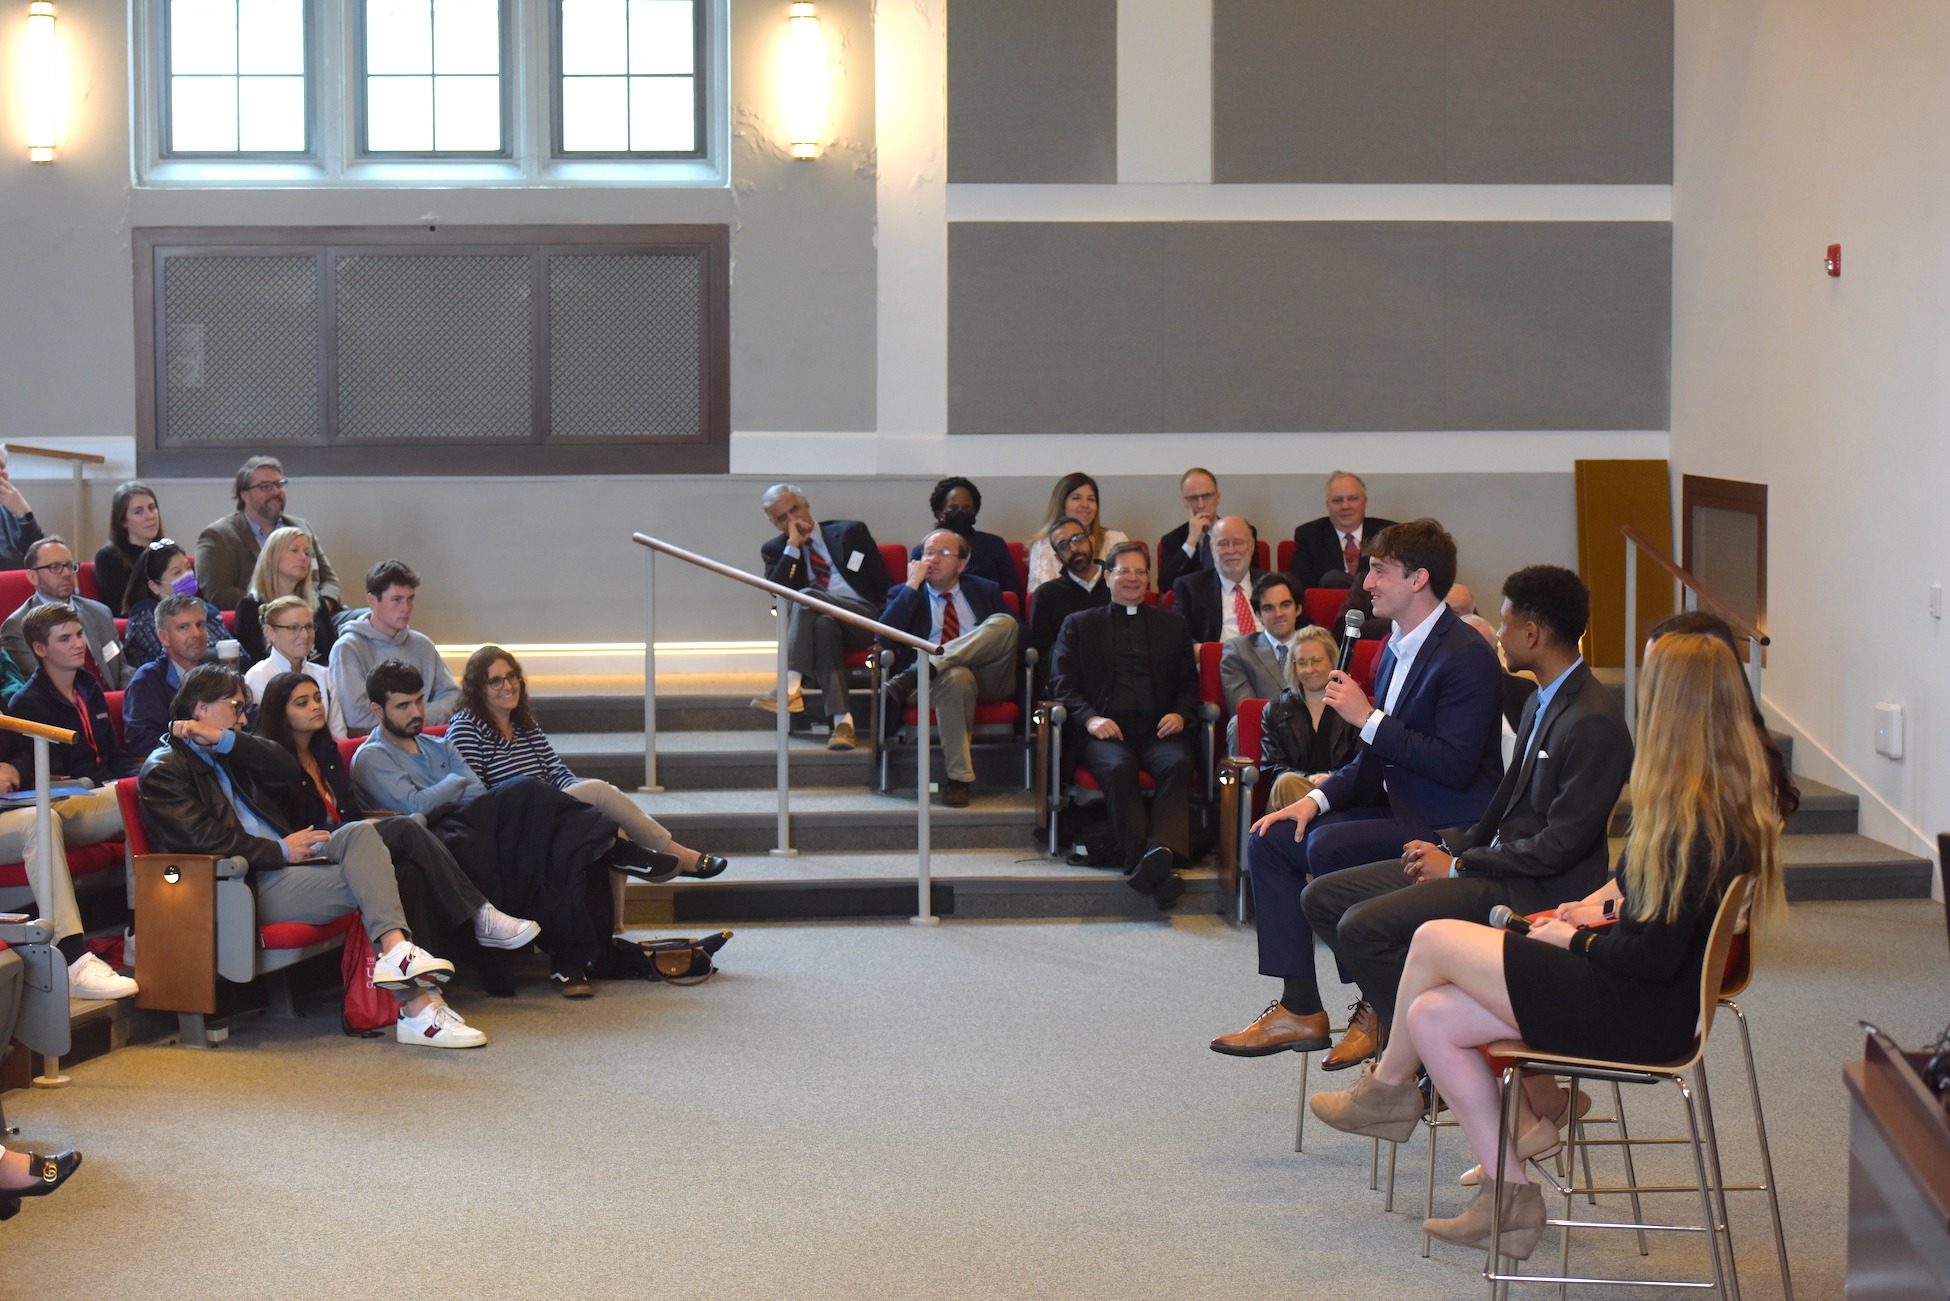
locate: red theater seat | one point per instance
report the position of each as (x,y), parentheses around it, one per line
(84,581)
(1323,606)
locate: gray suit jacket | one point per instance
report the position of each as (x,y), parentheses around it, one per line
(1248,670)
(226,552)
(97,625)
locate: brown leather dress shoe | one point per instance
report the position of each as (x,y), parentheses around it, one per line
(954,794)
(1276,1031)
(1362,1040)
(841,737)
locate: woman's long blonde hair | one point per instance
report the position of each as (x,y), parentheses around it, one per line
(1699,771)
(264,577)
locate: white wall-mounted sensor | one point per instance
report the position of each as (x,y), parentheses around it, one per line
(1889,729)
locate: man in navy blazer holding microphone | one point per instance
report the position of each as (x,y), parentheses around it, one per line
(966,617)
(1432,757)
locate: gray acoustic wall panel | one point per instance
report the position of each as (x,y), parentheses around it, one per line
(1442,92)
(1032,91)
(1103,327)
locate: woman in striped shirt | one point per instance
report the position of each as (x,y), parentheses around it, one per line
(496,732)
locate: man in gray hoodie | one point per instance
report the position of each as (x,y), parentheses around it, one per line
(385,632)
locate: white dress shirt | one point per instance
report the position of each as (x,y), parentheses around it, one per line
(1406,644)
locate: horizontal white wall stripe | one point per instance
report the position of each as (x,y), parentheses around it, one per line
(1309,203)
(1445,452)
(1164,92)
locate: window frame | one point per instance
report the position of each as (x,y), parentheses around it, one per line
(529,90)
(361,96)
(556,77)
(165,108)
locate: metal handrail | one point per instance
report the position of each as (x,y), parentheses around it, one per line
(779,592)
(76,463)
(1696,594)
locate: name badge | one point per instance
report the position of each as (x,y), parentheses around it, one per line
(111,649)
(854,561)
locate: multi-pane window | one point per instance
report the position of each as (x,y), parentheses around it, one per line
(235,77)
(432,77)
(627,77)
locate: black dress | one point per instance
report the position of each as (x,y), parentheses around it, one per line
(1635,996)
(1289,742)
(112,568)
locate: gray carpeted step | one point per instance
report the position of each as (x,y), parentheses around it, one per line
(1851,867)
(1824,811)
(745,822)
(741,760)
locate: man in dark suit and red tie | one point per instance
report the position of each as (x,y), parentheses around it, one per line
(839,563)
(1432,759)
(966,617)
(1333,544)
(1217,603)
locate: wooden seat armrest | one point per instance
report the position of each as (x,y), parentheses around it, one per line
(176,918)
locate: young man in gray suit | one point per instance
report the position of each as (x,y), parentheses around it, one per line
(54,571)
(1253,666)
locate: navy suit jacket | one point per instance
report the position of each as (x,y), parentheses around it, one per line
(912,611)
(1195,596)
(1317,549)
(1437,756)
(988,557)
(843,538)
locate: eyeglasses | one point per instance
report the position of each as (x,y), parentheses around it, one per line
(1199,498)
(1069,543)
(508,682)
(57,567)
(940,551)
(306,626)
(235,706)
(268,483)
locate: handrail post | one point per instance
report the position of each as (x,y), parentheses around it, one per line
(923,818)
(1631,635)
(781,612)
(43,869)
(650,785)
(1753,667)
(80,509)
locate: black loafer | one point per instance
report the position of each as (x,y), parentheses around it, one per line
(651,865)
(50,1172)
(706,867)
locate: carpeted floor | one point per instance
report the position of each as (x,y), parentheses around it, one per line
(979,1110)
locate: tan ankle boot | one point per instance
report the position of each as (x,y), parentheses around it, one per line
(1372,1109)
(1523,1222)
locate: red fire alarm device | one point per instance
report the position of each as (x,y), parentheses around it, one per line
(1834,262)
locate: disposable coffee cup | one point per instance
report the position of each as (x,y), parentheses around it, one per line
(229,650)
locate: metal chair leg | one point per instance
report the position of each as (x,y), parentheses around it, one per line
(1428,1201)
(1766,1157)
(1724,1226)
(1631,1169)
(1300,1114)
(1705,1189)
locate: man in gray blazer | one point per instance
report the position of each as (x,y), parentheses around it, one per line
(226,549)
(54,571)
(1253,667)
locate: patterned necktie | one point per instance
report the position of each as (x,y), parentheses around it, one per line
(1279,653)
(1242,611)
(1350,554)
(822,572)
(950,620)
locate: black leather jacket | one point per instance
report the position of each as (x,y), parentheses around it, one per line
(185,811)
(1289,743)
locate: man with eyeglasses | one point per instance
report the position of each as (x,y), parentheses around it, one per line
(18,527)
(1078,587)
(54,569)
(965,616)
(1189,546)
(226,549)
(290,632)
(1217,603)
(1126,675)
(1253,666)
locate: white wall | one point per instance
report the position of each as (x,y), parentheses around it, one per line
(1802,123)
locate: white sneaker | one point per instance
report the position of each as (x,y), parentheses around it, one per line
(408,966)
(437,1026)
(90,977)
(496,930)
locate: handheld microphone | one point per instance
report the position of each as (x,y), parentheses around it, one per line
(1504,920)
(1350,633)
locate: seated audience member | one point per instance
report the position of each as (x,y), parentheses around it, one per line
(838,562)
(54,571)
(182,624)
(1127,676)
(1189,546)
(1253,665)
(288,625)
(955,503)
(1461,600)
(496,733)
(1517,689)
(134,521)
(1301,738)
(19,529)
(1433,759)
(1078,587)
(385,632)
(437,896)
(284,568)
(226,550)
(213,788)
(1541,840)
(164,571)
(1217,603)
(942,603)
(1334,543)
(62,693)
(1074,497)
(1705,810)
(531,848)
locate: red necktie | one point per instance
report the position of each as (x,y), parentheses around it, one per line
(1350,554)
(1242,611)
(950,620)
(822,572)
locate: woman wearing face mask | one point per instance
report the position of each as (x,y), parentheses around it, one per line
(164,568)
(955,503)
(1300,738)
(285,568)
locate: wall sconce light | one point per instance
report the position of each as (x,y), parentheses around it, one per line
(40,83)
(807,88)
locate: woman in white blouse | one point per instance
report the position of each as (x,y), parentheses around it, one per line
(1074,497)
